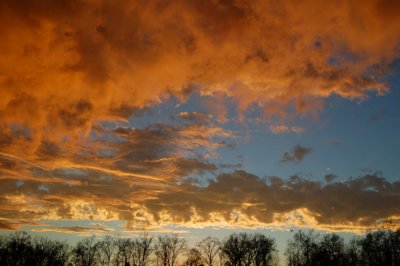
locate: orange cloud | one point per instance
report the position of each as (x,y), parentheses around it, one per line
(66,66)
(83,231)
(281,128)
(243,199)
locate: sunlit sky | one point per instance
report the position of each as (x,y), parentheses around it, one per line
(199,117)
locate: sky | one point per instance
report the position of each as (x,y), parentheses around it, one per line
(199,117)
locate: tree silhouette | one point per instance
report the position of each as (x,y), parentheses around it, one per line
(302,249)
(264,249)
(125,247)
(168,248)
(106,249)
(242,249)
(245,249)
(235,248)
(209,248)
(330,251)
(85,251)
(375,249)
(20,249)
(380,248)
(49,252)
(142,250)
(193,257)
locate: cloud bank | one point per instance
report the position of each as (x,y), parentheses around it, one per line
(231,199)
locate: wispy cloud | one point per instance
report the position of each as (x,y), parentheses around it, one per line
(83,231)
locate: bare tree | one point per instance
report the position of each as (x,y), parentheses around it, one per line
(21,249)
(352,253)
(380,248)
(168,248)
(222,260)
(142,250)
(106,249)
(49,252)
(125,247)
(301,249)
(18,248)
(209,248)
(193,257)
(331,251)
(235,248)
(84,253)
(247,249)
(263,250)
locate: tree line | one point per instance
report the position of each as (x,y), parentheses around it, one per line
(306,248)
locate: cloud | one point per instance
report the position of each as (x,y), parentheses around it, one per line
(194,116)
(354,204)
(296,155)
(106,179)
(359,202)
(64,75)
(277,129)
(84,231)
(74,74)
(15,224)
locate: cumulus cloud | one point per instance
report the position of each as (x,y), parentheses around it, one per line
(296,155)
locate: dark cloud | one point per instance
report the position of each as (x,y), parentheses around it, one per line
(48,150)
(296,155)
(186,167)
(231,165)
(159,149)
(61,182)
(15,224)
(102,194)
(361,201)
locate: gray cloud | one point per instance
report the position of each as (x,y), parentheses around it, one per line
(296,155)
(361,201)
